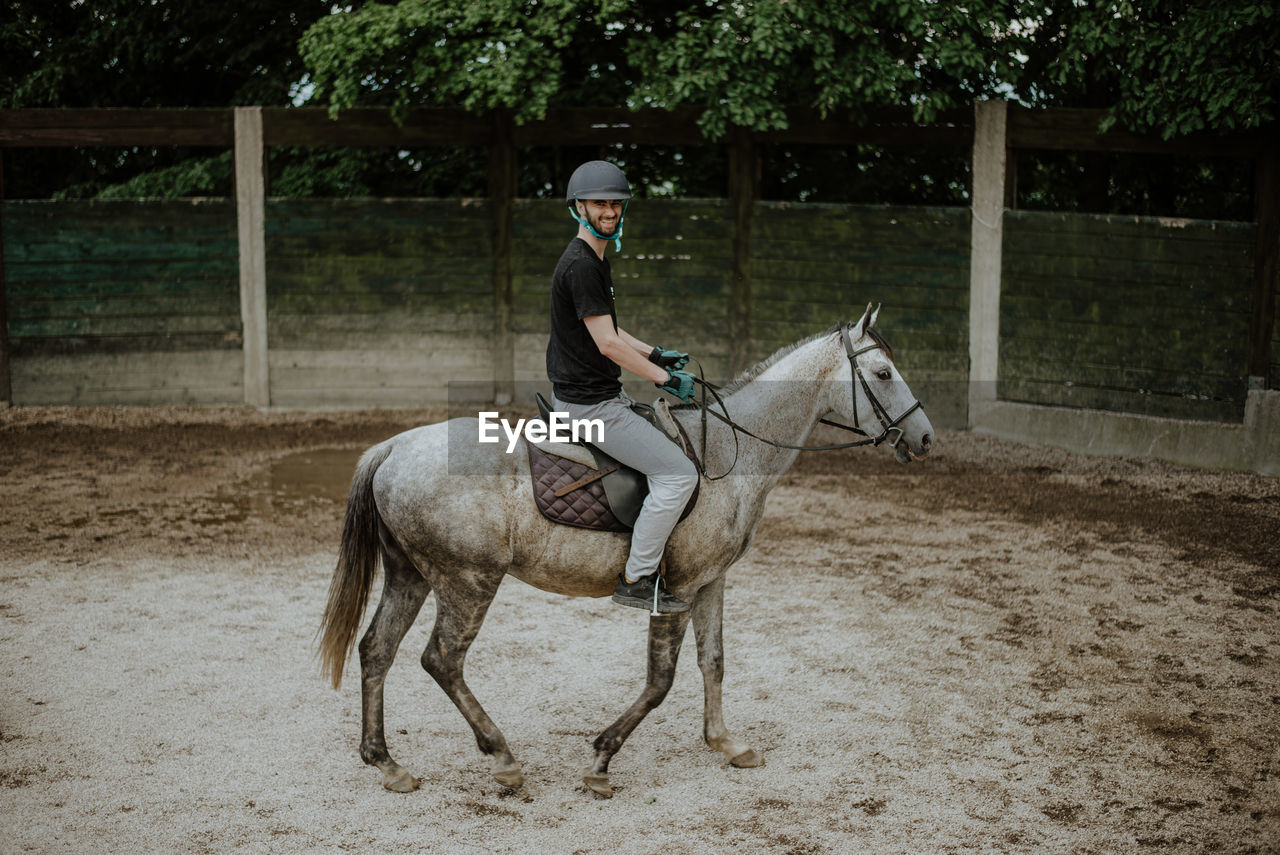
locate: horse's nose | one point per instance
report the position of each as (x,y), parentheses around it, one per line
(926,442)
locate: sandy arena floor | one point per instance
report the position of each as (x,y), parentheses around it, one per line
(1004,648)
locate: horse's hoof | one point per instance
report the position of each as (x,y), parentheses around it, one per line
(748,759)
(598,784)
(400,781)
(509,777)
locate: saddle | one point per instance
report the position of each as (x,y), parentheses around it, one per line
(577,484)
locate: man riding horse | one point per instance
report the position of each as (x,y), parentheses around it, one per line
(434,533)
(585,357)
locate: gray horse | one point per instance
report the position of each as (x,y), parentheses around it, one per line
(459,536)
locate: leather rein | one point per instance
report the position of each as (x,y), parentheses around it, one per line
(888,424)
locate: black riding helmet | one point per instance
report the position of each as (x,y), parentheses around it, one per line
(599,179)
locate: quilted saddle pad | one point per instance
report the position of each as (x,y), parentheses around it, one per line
(585,505)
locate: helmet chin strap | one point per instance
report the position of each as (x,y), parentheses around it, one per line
(616,237)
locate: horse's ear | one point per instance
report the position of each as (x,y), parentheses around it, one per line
(872,322)
(856,330)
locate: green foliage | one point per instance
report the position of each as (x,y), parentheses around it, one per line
(159,53)
(1184,186)
(126,53)
(336,172)
(741,62)
(1166,66)
(312,171)
(201,176)
(895,175)
(480,54)
(1163,66)
(1169,67)
(744,62)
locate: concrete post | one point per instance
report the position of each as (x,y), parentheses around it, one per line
(744,189)
(251,217)
(6,386)
(987,238)
(1266,261)
(503,178)
(1262,427)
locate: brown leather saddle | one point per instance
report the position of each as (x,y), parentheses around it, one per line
(577,484)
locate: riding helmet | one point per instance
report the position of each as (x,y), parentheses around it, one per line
(597,179)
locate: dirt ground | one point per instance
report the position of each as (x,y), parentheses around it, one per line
(1004,648)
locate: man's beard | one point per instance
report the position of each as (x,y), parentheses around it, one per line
(600,230)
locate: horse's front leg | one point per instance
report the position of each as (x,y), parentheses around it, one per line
(708,623)
(666,633)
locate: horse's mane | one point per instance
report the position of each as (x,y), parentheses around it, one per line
(763,365)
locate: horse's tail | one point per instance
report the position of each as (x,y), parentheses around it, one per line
(357,564)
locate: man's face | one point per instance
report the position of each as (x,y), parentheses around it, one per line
(602,214)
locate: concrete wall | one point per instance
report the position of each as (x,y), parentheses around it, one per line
(1253,444)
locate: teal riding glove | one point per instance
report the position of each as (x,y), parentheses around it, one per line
(672,360)
(680,384)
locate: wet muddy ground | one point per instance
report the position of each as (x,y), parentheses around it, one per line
(1004,648)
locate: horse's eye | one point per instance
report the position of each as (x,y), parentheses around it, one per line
(884,375)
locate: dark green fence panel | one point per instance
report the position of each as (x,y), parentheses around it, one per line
(540,231)
(1140,315)
(377,301)
(815,264)
(123,302)
(381,302)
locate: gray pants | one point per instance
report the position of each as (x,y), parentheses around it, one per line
(672,476)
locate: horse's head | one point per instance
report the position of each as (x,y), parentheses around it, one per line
(882,404)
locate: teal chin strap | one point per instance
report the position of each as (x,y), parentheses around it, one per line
(616,237)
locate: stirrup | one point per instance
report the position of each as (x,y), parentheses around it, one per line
(657,585)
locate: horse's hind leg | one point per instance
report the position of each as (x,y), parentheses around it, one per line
(460,611)
(403,592)
(666,634)
(708,621)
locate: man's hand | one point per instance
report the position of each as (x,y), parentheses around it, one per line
(672,360)
(680,384)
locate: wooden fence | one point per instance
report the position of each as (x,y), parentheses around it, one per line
(283,302)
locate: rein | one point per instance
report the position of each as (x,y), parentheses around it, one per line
(887,424)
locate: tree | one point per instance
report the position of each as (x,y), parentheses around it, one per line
(1163,66)
(1170,67)
(742,63)
(1167,67)
(163,53)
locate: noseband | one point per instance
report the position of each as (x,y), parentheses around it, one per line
(888,425)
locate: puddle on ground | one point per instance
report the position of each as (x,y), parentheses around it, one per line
(296,479)
(324,474)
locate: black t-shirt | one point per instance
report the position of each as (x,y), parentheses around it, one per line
(582,287)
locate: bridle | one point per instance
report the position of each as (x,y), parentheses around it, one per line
(889,426)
